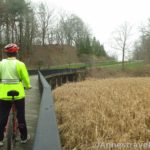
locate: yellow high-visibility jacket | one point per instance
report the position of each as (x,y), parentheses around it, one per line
(13,76)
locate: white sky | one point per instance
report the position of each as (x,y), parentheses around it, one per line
(104,16)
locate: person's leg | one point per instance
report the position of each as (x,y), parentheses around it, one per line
(5,107)
(20,107)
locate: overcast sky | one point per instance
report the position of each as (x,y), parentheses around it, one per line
(103,16)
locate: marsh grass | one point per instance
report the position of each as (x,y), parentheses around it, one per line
(103,111)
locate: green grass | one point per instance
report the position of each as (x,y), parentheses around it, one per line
(88,65)
(118,65)
(134,65)
(102,64)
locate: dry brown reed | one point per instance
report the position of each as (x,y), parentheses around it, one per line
(95,111)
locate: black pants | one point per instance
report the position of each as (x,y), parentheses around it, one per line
(5,107)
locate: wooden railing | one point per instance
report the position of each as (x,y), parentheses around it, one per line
(47,135)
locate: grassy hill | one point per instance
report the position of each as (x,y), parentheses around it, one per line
(53,55)
(50,55)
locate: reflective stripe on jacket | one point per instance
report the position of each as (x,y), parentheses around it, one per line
(13,76)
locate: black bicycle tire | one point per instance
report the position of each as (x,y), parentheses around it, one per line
(10,133)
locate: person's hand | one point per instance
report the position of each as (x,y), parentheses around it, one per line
(28,88)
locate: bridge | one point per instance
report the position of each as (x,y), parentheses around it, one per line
(40,113)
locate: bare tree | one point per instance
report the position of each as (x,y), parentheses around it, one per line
(45,18)
(72,29)
(121,40)
(142,45)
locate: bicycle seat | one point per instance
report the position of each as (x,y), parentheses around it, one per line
(12,93)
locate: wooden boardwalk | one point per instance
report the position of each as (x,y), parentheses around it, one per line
(32,111)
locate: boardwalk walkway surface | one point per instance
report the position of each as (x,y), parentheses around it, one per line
(32,109)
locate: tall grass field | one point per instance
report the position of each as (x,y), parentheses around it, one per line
(95,113)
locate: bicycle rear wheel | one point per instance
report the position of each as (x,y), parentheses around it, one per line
(10,134)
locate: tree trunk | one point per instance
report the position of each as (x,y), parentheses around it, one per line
(7,31)
(123,55)
(21,33)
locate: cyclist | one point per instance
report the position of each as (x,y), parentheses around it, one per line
(13,76)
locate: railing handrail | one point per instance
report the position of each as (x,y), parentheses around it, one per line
(47,135)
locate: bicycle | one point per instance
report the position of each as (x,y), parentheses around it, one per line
(11,132)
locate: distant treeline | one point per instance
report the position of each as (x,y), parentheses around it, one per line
(27,24)
(142,45)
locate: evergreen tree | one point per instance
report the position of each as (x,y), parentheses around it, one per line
(88,48)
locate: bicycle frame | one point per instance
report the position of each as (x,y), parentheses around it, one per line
(12,127)
(11,132)
(14,120)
